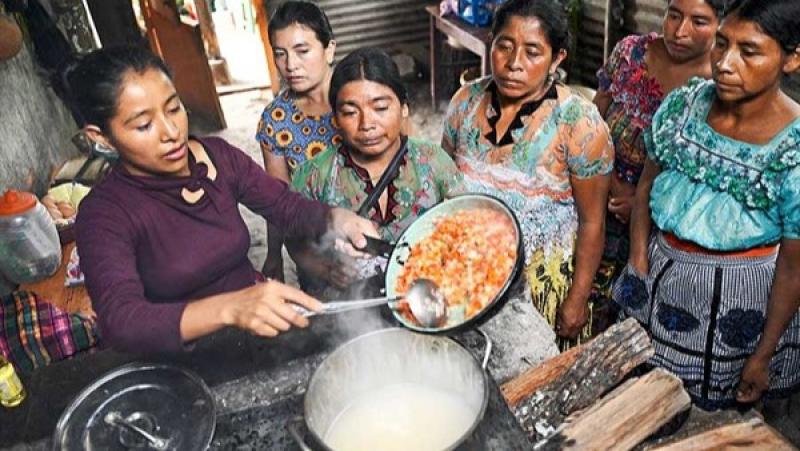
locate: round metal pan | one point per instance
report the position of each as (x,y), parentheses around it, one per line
(424,226)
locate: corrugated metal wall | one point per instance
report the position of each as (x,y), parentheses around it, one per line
(589,51)
(376,23)
(639,16)
(644,16)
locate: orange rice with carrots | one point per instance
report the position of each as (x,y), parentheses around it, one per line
(469,255)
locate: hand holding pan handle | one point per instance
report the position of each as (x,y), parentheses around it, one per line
(377,247)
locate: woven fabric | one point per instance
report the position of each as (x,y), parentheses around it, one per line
(34,333)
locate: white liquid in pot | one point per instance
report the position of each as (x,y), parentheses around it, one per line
(401,417)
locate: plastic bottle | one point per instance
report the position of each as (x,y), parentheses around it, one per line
(12,393)
(29,247)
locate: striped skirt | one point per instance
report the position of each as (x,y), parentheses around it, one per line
(705,315)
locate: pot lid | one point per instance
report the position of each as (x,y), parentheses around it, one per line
(141,407)
(14,202)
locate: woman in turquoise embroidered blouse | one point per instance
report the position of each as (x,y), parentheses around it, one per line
(370,103)
(718,192)
(722,186)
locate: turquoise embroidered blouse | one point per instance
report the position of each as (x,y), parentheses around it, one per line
(715,191)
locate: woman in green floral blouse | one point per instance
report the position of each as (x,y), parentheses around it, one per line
(370,104)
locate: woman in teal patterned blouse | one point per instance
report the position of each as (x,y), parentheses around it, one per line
(717,287)
(371,104)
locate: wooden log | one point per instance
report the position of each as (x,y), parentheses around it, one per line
(542,398)
(624,417)
(735,431)
(531,380)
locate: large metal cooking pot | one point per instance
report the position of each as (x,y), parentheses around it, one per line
(398,253)
(390,357)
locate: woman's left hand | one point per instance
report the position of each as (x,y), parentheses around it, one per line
(350,230)
(573,314)
(621,208)
(755,379)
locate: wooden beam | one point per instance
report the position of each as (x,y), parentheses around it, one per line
(219,67)
(737,432)
(623,418)
(543,397)
(262,20)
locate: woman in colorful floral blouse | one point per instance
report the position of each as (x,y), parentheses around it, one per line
(639,73)
(299,123)
(718,288)
(521,136)
(371,104)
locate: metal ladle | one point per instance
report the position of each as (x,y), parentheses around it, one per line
(424,299)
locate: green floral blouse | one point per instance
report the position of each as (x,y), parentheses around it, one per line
(426,176)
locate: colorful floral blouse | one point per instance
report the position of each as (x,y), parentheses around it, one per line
(552,141)
(635,97)
(565,137)
(286,131)
(426,176)
(715,191)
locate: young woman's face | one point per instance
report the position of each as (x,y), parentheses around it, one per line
(522,58)
(747,62)
(150,129)
(370,117)
(689,27)
(300,57)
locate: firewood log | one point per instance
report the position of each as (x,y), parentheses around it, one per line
(623,418)
(543,397)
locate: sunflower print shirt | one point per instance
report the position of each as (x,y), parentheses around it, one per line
(287,132)
(561,138)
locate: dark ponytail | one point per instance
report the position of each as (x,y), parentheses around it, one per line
(90,84)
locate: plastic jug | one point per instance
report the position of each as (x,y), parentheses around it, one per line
(29,247)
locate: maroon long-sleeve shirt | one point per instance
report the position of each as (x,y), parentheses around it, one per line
(146,252)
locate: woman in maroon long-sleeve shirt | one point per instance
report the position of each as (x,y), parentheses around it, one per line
(162,243)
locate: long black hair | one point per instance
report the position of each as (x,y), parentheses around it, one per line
(371,64)
(551,15)
(303,13)
(780,19)
(719,6)
(90,84)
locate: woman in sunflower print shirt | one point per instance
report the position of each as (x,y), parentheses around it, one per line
(298,124)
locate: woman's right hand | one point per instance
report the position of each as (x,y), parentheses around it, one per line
(267,309)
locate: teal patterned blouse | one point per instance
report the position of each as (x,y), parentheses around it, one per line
(715,191)
(426,177)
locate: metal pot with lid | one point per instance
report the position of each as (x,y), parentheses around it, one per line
(141,407)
